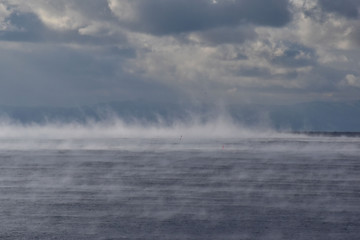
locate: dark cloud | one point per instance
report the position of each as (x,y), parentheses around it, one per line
(98,10)
(294,56)
(24,27)
(66,76)
(323,79)
(265,73)
(346,8)
(189,46)
(253,72)
(228,35)
(355,35)
(161,17)
(291,75)
(27,27)
(241,56)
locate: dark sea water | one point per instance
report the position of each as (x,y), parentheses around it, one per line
(287,187)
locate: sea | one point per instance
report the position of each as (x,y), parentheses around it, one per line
(265,185)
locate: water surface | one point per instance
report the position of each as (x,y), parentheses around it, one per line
(288,187)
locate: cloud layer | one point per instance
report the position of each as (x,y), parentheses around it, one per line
(69,52)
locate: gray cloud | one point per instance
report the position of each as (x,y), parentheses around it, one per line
(295,55)
(355,35)
(98,10)
(27,27)
(161,17)
(228,35)
(253,72)
(346,8)
(65,76)
(75,51)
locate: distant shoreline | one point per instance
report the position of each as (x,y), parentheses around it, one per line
(329,134)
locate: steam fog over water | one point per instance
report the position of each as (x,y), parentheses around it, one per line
(196,181)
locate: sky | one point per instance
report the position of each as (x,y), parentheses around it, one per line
(72,52)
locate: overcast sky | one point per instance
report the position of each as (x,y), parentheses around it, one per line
(76,52)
